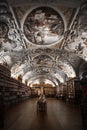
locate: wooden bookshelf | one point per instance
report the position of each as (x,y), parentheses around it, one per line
(12,90)
(73,91)
(50,91)
(61,94)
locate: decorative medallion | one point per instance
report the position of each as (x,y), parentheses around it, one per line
(43,26)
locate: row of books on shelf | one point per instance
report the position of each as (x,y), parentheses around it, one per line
(12,90)
(70,91)
(5,71)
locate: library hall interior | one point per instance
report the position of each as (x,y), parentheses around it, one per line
(43,64)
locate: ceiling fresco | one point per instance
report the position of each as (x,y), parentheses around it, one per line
(76,40)
(44,44)
(47,34)
(43,26)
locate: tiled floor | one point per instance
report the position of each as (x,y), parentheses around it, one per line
(60,116)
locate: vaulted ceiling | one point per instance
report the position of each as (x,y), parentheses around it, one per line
(44,41)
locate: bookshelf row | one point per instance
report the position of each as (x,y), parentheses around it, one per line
(11,90)
(70,91)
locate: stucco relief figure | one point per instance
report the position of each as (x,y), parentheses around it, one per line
(82,22)
(3,30)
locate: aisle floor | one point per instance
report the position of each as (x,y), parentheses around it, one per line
(60,116)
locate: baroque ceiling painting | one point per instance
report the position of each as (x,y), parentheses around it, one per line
(44,41)
(43,26)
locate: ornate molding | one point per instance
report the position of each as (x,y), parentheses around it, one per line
(76,39)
